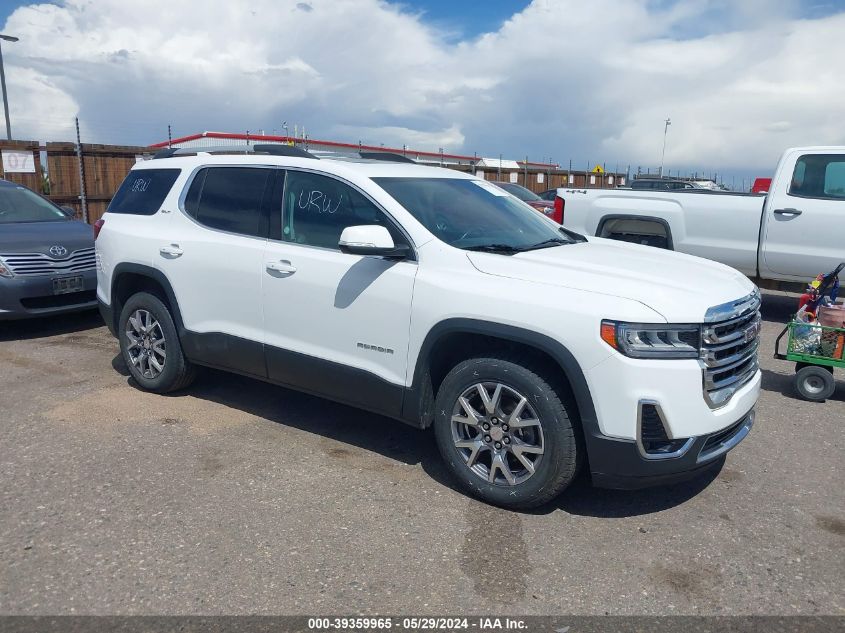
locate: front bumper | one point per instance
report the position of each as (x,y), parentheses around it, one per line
(618,463)
(23,297)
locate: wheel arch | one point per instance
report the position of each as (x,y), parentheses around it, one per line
(453,340)
(129,279)
(663,222)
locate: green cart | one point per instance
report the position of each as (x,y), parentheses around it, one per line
(815,349)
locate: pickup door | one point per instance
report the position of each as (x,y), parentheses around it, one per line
(804,221)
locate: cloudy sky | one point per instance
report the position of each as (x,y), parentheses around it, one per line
(566,79)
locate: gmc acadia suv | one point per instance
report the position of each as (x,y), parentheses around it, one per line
(438,299)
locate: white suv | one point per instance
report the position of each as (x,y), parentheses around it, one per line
(435,298)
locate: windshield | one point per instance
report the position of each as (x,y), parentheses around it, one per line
(526,195)
(19,204)
(473,214)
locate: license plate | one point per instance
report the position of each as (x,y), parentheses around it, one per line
(64,285)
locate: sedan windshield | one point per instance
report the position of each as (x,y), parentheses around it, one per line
(19,204)
(526,195)
(474,214)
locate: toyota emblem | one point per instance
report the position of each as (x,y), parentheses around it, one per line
(58,251)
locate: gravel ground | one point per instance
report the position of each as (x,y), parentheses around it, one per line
(239,497)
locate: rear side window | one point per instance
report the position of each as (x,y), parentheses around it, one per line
(819,176)
(143,191)
(230,199)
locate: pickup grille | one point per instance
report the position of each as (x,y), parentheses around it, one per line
(30,264)
(729,348)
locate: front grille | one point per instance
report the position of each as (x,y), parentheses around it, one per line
(722,441)
(60,301)
(30,264)
(729,349)
(717,438)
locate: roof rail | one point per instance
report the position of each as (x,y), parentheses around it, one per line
(390,157)
(262,148)
(277,149)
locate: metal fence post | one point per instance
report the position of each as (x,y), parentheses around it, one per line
(82,195)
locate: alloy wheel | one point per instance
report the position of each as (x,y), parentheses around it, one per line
(146,345)
(498,433)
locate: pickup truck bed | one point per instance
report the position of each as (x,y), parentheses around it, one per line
(716,225)
(780,239)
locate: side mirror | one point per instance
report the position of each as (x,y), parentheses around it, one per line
(370,239)
(68,210)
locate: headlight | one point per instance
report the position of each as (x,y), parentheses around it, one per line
(647,340)
(4,272)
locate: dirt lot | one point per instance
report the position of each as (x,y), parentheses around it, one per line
(241,497)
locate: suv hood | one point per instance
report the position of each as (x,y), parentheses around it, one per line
(38,237)
(679,287)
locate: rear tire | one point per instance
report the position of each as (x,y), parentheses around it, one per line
(150,345)
(507,452)
(815,383)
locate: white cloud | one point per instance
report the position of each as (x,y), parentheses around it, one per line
(587,81)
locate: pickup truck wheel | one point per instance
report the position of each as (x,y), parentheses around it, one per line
(150,345)
(504,432)
(815,383)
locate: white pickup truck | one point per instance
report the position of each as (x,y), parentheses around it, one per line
(790,235)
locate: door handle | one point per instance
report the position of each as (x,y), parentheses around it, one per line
(283,266)
(171,251)
(788,211)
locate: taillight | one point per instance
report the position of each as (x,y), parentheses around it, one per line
(98,225)
(558,214)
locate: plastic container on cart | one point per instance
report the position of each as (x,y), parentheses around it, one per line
(832,316)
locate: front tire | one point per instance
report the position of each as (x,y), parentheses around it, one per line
(504,432)
(150,345)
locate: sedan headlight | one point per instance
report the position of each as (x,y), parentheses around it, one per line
(647,340)
(4,271)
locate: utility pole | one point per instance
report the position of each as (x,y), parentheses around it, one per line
(663,155)
(8,38)
(169,137)
(83,198)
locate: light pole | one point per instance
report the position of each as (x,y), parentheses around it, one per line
(663,155)
(8,38)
